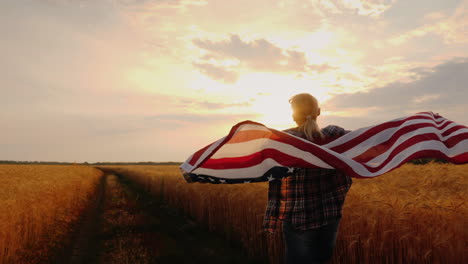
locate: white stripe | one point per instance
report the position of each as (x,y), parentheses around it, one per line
(353,134)
(388,133)
(241,173)
(456,150)
(431,115)
(207,152)
(252,127)
(186,165)
(347,137)
(250,147)
(359,168)
(379,159)
(245,127)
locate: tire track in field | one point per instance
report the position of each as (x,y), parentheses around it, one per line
(86,242)
(125,224)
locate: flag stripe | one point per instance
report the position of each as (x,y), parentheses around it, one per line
(396,138)
(448,143)
(253,152)
(375,130)
(283,157)
(248,135)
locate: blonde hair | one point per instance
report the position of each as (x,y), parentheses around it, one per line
(306,110)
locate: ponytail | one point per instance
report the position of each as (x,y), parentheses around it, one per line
(311,129)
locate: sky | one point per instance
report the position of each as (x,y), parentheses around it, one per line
(156,80)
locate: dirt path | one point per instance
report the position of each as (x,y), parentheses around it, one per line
(86,245)
(126,225)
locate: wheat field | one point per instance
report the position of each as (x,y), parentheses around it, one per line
(38,204)
(414,214)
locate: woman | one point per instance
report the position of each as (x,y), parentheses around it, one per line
(309,202)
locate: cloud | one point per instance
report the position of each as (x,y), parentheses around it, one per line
(162,3)
(257,55)
(257,52)
(439,89)
(217,73)
(212,105)
(452,29)
(200,118)
(371,8)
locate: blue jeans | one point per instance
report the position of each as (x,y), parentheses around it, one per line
(310,246)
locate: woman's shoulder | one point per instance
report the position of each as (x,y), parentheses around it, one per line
(334,131)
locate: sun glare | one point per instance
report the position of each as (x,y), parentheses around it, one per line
(273,111)
(270,93)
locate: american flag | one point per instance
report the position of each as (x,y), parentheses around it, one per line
(252,152)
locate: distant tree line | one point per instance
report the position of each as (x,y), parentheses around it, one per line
(35,162)
(87,163)
(137,163)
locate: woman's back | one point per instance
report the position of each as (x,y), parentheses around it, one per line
(310,197)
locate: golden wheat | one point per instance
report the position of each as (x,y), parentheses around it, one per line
(415,214)
(37,205)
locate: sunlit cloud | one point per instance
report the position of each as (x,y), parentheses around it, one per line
(372,8)
(452,29)
(180,4)
(426,98)
(257,55)
(217,72)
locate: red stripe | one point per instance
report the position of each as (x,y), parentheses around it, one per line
(409,143)
(280,157)
(462,158)
(375,130)
(248,135)
(228,137)
(385,146)
(254,159)
(198,154)
(451,142)
(452,129)
(288,160)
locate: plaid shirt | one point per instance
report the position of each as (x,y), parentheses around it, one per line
(311,197)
